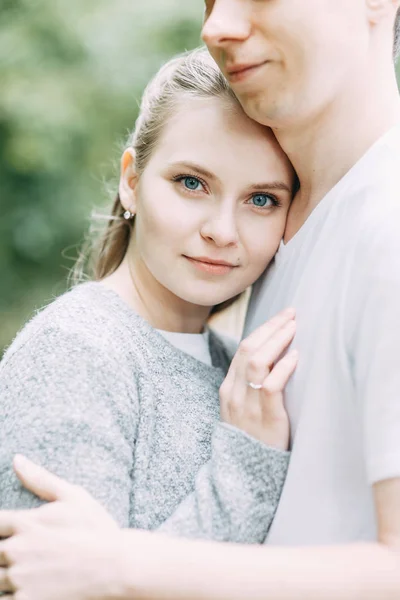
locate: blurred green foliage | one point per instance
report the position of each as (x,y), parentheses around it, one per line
(71,75)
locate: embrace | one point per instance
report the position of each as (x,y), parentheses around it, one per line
(162,461)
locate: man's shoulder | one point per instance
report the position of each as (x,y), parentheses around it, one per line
(375,179)
(373,206)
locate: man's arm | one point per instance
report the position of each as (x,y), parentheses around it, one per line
(179,570)
(44,560)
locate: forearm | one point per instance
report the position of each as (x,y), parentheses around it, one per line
(236,493)
(168,569)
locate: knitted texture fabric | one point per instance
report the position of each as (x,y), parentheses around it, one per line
(91,391)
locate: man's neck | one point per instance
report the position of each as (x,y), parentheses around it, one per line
(324,150)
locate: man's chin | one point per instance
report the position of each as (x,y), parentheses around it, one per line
(256,107)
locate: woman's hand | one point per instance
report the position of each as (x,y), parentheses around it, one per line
(251,396)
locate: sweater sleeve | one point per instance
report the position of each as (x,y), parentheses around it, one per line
(63,405)
(236,493)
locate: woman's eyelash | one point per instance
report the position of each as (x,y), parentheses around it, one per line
(274,199)
(183,176)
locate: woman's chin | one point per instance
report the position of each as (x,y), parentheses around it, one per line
(208,300)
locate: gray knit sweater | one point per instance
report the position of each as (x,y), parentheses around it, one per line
(91,391)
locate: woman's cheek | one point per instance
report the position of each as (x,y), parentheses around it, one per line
(158,227)
(262,247)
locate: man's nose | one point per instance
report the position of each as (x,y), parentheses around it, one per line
(227,22)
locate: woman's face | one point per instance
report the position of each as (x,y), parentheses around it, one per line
(211,203)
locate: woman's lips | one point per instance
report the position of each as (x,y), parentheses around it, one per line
(208,267)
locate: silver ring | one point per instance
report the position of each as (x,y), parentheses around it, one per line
(254,386)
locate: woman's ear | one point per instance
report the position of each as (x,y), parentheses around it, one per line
(128,181)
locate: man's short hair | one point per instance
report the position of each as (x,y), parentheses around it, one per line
(396,49)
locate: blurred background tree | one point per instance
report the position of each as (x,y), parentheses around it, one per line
(71,76)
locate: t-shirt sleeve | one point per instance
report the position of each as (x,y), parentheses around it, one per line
(374,323)
(63,405)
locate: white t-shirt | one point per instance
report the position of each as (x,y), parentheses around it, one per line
(195,344)
(341,272)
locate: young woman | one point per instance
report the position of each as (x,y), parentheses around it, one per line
(115,385)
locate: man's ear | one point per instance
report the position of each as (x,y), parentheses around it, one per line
(381,9)
(128,181)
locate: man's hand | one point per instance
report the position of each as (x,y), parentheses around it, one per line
(46,563)
(65,549)
(68,505)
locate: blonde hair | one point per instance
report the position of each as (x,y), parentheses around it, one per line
(192,74)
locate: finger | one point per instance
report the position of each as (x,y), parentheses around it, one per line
(41,482)
(8,523)
(224,397)
(247,349)
(5,581)
(262,333)
(260,363)
(225,392)
(281,373)
(3,558)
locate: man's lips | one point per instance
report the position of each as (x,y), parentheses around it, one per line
(239,72)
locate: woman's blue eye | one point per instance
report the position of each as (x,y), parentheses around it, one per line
(192,183)
(262,200)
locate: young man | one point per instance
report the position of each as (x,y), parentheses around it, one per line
(321,74)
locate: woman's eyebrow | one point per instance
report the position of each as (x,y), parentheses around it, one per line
(194,167)
(271,185)
(256,187)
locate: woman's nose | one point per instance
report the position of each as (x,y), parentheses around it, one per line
(221,230)
(227,22)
